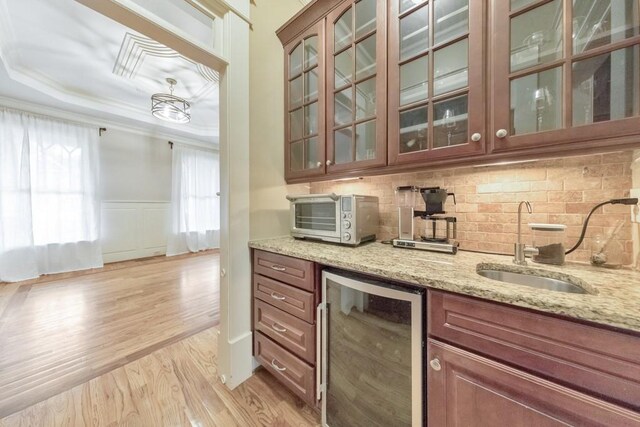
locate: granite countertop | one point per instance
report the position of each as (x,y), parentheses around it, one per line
(613,296)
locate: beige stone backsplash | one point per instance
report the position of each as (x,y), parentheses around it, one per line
(561,191)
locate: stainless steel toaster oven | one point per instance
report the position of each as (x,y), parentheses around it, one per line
(348,220)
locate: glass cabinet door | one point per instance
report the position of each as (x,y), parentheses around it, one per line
(565,70)
(356,86)
(436,87)
(304,121)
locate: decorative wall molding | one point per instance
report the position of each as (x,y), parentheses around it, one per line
(99,122)
(132,230)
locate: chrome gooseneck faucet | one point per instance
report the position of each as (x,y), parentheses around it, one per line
(521,249)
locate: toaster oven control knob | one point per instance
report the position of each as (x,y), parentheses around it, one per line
(344,215)
(346,236)
(346,224)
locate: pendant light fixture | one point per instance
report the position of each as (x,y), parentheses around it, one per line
(171,108)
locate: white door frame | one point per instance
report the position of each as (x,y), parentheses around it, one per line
(231,60)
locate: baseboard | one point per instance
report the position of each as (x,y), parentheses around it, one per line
(241,360)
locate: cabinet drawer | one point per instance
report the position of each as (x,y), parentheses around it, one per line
(290,370)
(292,271)
(591,359)
(288,331)
(287,298)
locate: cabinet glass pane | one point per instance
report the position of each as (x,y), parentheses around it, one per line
(451,19)
(295,61)
(607,87)
(295,92)
(311,150)
(517,4)
(295,124)
(451,67)
(451,122)
(344,143)
(296,155)
(413,81)
(366,99)
(343,31)
(366,57)
(311,85)
(366,141)
(414,33)
(311,119)
(408,4)
(365,17)
(344,68)
(536,102)
(414,130)
(343,107)
(602,22)
(310,52)
(536,36)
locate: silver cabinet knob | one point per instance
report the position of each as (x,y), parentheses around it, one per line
(476,137)
(329,162)
(501,133)
(319,164)
(435,364)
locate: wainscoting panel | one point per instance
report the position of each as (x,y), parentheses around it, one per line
(134,229)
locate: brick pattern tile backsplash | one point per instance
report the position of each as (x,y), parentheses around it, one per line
(561,191)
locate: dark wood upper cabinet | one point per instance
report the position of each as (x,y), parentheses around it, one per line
(436,79)
(305,104)
(356,86)
(400,84)
(565,72)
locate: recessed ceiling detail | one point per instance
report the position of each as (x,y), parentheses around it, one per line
(147,62)
(62,54)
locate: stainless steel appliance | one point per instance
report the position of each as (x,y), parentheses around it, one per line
(440,231)
(372,353)
(348,219)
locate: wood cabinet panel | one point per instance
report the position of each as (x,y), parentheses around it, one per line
(291,333)
(292,271)
(287,298)
(465,389)
(415,103)
(588,358)
(289,369)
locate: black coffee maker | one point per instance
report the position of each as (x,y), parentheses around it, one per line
(438,231)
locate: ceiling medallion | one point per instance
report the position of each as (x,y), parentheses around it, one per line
(169,107)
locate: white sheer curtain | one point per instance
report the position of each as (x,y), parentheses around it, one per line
(195,205)
(49,206)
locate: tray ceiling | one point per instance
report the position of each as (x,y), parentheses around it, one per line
(89,63)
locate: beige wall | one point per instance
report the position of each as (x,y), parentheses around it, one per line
(562,191)
(269,208)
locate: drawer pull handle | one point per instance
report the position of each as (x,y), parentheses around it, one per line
(276,367)
(278,267)
(278,297)
(435,364)
(278,328)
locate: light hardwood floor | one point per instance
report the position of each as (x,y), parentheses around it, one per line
(61,331)
(175,386)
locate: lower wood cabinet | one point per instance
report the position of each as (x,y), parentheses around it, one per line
(465,389)
(285,296)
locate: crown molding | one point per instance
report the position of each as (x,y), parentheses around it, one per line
(87,119)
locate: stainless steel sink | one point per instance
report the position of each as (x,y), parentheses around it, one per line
(532,281)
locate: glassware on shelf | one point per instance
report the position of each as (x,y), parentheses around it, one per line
(542,100)
(450,124)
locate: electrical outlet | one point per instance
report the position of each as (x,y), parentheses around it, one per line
(635,212)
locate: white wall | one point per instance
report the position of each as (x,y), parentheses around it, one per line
(134,167)
(269,207)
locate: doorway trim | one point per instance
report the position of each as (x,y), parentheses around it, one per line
(230,57)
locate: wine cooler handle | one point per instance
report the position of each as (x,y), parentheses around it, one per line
(319,315)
